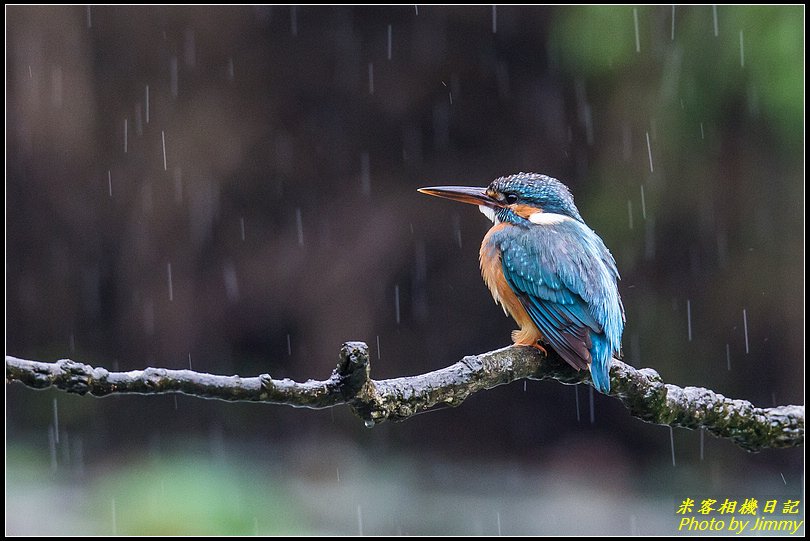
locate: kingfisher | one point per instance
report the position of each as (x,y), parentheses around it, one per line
(548,270)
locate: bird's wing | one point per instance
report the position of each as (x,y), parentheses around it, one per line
(552,274)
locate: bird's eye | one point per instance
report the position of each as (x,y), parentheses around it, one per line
(510,198)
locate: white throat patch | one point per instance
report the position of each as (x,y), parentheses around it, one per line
(547,218)
(489,212)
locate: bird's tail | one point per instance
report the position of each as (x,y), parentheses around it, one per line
(601,357)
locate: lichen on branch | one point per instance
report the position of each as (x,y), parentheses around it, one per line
(642,391)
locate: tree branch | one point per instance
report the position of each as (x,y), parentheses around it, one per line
(641,391)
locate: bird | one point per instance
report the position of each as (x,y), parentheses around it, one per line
(548,270)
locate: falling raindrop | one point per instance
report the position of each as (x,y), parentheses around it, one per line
(396,301)
(673,23)
(649,151)
(672,444)
(643,203)
(163,140)
(630,213)
(125,136)
(78,456)
(114,519)
(365,173)
(56,86)
(416,7)
(231,283)
(359,510)
(783,478)
(745,328)
(742,51)
(457,228)
(498,516)
(173,76)
(627,143)
(89,18)
(702,134)
(576,400)
(728,357)
(189,361)
(146,104)
(66,449)
(635,23)
(587,115)
(109,181)
(52,447)
(714,15)
(371,77)
(702,434)
(337,469)
(378,347)
(256,526)
(171,288)
(494,19)
(689,317)
(294,20)
(390,36)
(299,225)
(230,68)
(175,402)
(289,345)
(593,416)
(55,421)
(524,385)
(72,343)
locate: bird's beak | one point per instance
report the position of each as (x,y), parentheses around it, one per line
(465,194)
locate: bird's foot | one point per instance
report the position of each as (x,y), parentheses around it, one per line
(530,338)
(541,348)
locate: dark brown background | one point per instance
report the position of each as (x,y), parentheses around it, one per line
(269,121)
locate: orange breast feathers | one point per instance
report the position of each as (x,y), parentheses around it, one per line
(492,271)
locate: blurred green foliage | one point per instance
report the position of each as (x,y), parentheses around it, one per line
(597,43)
(593,41)
(197,495)
(177,494)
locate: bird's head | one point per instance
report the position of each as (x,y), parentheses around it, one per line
(521,199)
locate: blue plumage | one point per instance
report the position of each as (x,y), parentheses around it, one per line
(565,278)
(542,261)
